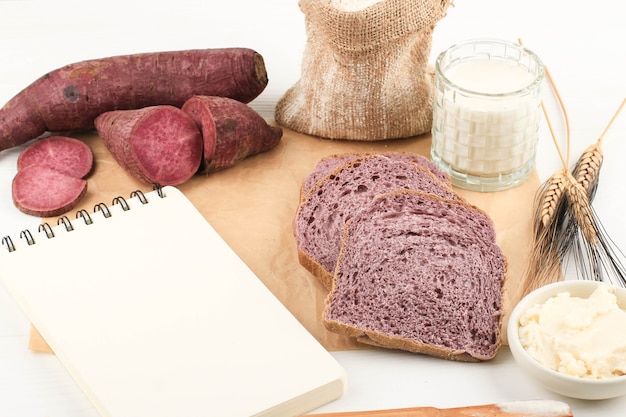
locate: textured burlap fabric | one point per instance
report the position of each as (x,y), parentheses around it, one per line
(365,74)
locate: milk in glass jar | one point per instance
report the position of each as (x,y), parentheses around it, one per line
(486,113)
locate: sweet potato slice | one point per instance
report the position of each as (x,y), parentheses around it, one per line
(45,192)
(71,97)
(231,130)
(157,144)
(61,153)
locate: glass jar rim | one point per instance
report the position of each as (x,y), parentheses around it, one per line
(538,79)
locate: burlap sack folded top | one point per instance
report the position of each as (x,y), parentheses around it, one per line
(365,74)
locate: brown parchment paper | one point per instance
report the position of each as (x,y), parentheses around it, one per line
(252,206)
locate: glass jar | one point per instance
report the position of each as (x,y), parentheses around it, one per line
(486,113)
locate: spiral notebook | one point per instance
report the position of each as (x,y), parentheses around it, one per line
(175,325)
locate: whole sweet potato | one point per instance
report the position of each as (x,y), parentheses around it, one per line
(71,97)
(157,144)
(231,130)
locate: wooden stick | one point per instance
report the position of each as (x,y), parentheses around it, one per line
(537,408)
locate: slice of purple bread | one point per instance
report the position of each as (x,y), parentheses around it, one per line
(321,216)
(328,164)
(420,273)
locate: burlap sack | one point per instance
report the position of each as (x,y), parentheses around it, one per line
(365,74)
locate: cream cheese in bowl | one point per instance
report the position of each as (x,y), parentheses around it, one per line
(581,337)
(571,337)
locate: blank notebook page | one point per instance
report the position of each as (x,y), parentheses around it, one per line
(154,315)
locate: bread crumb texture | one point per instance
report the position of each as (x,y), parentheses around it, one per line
(422,273)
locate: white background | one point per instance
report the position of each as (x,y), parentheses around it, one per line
(581,43)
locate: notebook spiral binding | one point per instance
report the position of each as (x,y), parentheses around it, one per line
(83,214)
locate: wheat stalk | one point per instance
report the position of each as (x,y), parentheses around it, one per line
(551,191)
(563,210)
(565,222)
(550,207)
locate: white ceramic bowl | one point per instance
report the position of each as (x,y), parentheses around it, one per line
(571,386)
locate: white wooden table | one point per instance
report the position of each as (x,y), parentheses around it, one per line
(582,44)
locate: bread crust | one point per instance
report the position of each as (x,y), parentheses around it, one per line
(316,269)
(342,159)
(381,340)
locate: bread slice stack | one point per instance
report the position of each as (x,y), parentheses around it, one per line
(408,263)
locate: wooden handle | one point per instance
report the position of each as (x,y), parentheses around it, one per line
(399,412)
(539,408)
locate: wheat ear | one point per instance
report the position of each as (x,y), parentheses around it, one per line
(581,208)
(587,169)
(549,198)
(544,260)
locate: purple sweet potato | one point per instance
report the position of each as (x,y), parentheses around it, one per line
(64,154)
(71,97)
(45,192)
(156,144)
(231,130)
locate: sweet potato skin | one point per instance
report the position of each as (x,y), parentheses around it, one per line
(231,131)
(156,144)
(71,97)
